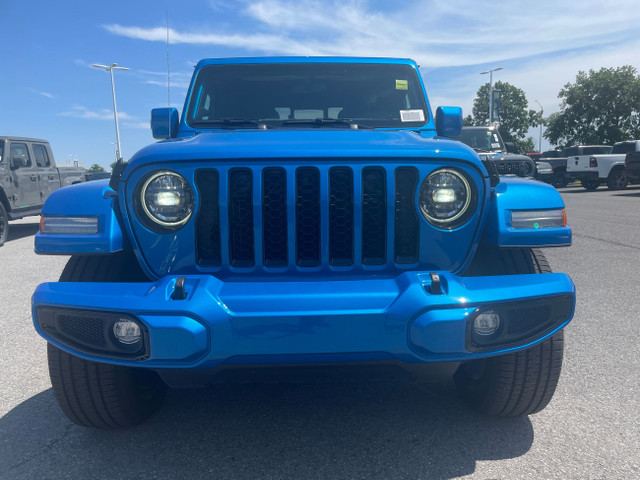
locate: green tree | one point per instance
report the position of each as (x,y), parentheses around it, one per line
(95,168)
(515,117)
(601,107)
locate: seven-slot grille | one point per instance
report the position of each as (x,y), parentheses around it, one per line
(507,167)
(306,217)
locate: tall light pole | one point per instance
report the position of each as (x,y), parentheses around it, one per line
(490,72)
(110,69)
(541,112)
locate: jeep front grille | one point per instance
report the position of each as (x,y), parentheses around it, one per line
(306,216)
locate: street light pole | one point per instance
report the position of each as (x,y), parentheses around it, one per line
(541,112)
(490,72)
(110,69)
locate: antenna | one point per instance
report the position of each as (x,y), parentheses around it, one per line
(168,65)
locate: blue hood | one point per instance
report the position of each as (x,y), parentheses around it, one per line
(311,143)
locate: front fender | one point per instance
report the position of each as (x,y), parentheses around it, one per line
(518,194)
(88,199)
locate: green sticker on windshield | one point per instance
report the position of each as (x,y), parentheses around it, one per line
(402,85)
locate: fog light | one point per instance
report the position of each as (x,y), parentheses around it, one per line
(127,331)
(486,323)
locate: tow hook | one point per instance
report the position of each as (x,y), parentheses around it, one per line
(436,287)
(179,292)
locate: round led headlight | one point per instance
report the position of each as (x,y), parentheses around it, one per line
(445,198)
(167,199)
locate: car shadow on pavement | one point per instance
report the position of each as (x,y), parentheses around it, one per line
(301,430)
(21,230)
(627,193)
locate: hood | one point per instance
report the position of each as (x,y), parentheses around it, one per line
(312,143)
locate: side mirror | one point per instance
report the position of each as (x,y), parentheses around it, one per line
(511,148)
(449,121)
(164,122)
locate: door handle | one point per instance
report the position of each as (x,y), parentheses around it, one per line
(34,177)
(51,177)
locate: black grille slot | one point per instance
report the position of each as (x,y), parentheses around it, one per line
(341,216)
(374,216)
(504,167)
(87,330)
(308,216)
(208,231)
(274,216)
(406,224)
(241,217)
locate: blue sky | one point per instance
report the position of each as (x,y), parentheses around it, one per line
(50,91)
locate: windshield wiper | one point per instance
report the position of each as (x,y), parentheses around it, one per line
(321,122)
(232,123)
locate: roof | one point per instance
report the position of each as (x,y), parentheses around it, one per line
(248,60)
(23,139)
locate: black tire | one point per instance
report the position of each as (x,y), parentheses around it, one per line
(590,185)
(560,179)
(101,395)
(617,179)
(4,224)
(514,384)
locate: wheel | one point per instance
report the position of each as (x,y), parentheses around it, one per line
(519,383)
(559,179)
(4,224)
(101,395)
(590,184)
(617,179)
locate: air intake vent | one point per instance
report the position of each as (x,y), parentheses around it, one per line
(406,231)
(241,217)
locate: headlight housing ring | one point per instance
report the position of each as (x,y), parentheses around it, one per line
(447,198)
(165,200)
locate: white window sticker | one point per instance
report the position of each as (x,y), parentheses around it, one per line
(412,115)
(495,145)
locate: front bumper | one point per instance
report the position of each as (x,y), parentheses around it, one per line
(404,318)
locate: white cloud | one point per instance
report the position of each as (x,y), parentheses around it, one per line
(137,125)
(435,33)
(41,93)
(79,111)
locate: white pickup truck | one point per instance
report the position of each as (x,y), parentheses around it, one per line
(596,169)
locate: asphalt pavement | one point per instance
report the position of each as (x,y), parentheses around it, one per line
(387,429)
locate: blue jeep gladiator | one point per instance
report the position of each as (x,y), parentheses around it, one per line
(302,211)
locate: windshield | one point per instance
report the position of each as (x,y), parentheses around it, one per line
(289,94)
(482,139)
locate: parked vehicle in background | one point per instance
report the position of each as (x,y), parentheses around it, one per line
(28,175)
(632,166)
(97,176)
(605,165)
(488,143)
(558,162)
(534,155)
(544,171)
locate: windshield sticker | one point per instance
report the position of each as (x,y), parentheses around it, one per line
(412,115)
(402,85)
(495,145)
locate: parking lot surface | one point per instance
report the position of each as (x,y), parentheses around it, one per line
(389,428)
